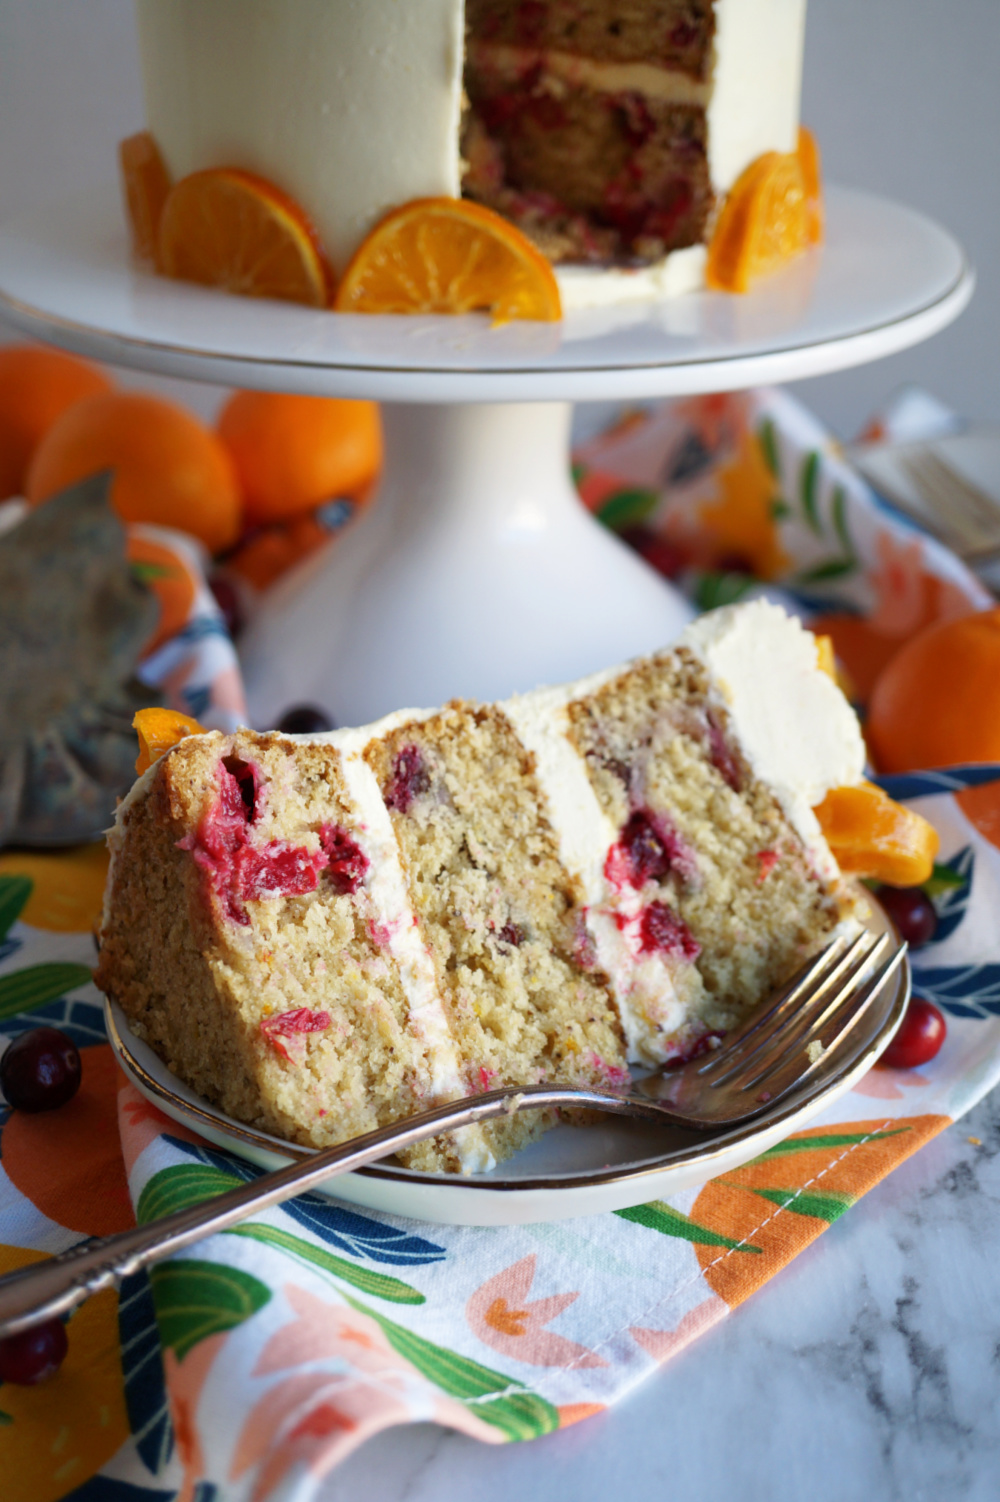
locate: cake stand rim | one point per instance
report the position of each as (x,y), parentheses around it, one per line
(757,364)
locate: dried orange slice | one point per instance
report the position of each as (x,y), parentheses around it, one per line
(446,255)
(870,835)
(773,212)
(228,228)
(158,730)
(146,183)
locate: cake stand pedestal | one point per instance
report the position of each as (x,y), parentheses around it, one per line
(476,571)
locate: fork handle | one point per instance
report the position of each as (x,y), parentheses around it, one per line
(56,1287)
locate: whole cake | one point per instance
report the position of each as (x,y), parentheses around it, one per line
(324,934)
(609,132)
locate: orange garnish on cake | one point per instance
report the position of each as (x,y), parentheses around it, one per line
(446,255)
(871,835)
(146,183)
(773,212)
(158,730)
(229,228)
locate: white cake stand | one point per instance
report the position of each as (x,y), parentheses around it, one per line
(477,572)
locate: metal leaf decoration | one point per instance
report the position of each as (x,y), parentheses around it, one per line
(73,622)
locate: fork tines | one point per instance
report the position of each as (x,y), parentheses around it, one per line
(815,1013)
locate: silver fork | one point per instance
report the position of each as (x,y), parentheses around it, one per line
(792,1043)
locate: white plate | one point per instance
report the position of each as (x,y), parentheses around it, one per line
(885,279)
(570,1171)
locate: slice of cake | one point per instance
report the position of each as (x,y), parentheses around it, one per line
(324,934)
(607,131)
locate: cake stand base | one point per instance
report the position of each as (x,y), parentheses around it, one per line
(477,572)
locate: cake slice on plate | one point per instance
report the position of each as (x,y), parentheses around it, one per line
(325,934)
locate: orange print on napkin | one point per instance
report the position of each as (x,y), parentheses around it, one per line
(778,1203)
(68,1163)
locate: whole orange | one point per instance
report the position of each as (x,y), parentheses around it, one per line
(937,702)
(292,453)
(36,387)
(169,468)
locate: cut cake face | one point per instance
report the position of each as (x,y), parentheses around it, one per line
(326,934)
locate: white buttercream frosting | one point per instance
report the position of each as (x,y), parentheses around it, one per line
(793,724)
(353,106)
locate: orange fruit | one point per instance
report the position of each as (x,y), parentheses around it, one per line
(937,702)
(446,255)
(36,387)
(168,575)
(871,835)
(146,184)
(228,228)
(158,730)
(292,453)
(169,468)
(773,212)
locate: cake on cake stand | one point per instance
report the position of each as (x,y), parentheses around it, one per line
(477,571)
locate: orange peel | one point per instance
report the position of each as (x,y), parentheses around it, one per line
(158,730)
(871,835)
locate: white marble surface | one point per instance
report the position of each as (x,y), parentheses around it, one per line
(868,1369)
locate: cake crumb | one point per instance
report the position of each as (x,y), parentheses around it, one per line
(815,1051)
(975,1141)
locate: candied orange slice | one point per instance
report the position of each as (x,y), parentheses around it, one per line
(870,835)
(773,212)
(446,255)
(158,730)
(146,183)
(825,659)
(812,184)
(228,228)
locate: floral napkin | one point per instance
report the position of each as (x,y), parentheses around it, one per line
(248,1367)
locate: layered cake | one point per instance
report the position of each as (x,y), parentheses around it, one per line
(324,934)
(608,132)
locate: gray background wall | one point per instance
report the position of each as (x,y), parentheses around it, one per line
(903,95)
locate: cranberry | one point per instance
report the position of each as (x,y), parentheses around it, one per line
(228,600)
(683,35)
(238,870)
(34,1355)
(243,775)
(513,934)
(40,1070)
(911,911)
(305,719)
(408,780)
(662,929)
(920,1036)
(348,865)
